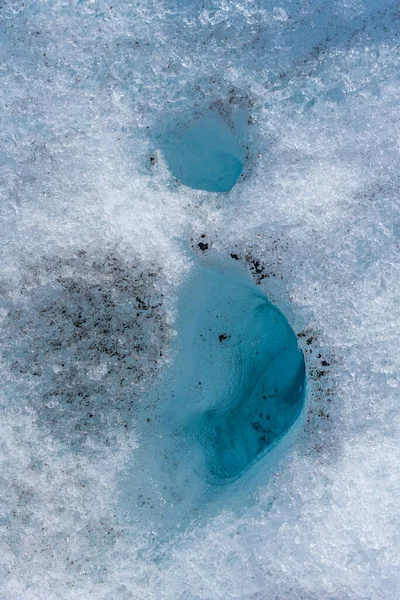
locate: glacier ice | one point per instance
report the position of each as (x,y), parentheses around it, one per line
(88,342)
(241,375)
(90,91)
(234,388)
(206,153)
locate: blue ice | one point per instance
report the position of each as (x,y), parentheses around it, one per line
(241,378)
(205,153)
(234,388)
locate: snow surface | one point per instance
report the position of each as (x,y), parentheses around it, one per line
(97,235)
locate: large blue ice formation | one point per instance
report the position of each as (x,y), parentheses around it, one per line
(240,374)
(234,388)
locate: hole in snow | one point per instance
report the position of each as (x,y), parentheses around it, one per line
(206,152)
(233,388)
(243,375)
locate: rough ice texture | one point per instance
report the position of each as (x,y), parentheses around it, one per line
(314,217)
(83,336)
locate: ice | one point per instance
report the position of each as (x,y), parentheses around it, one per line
(205,153)
(233,390)
(89,91)
(89,330)
(241,374)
